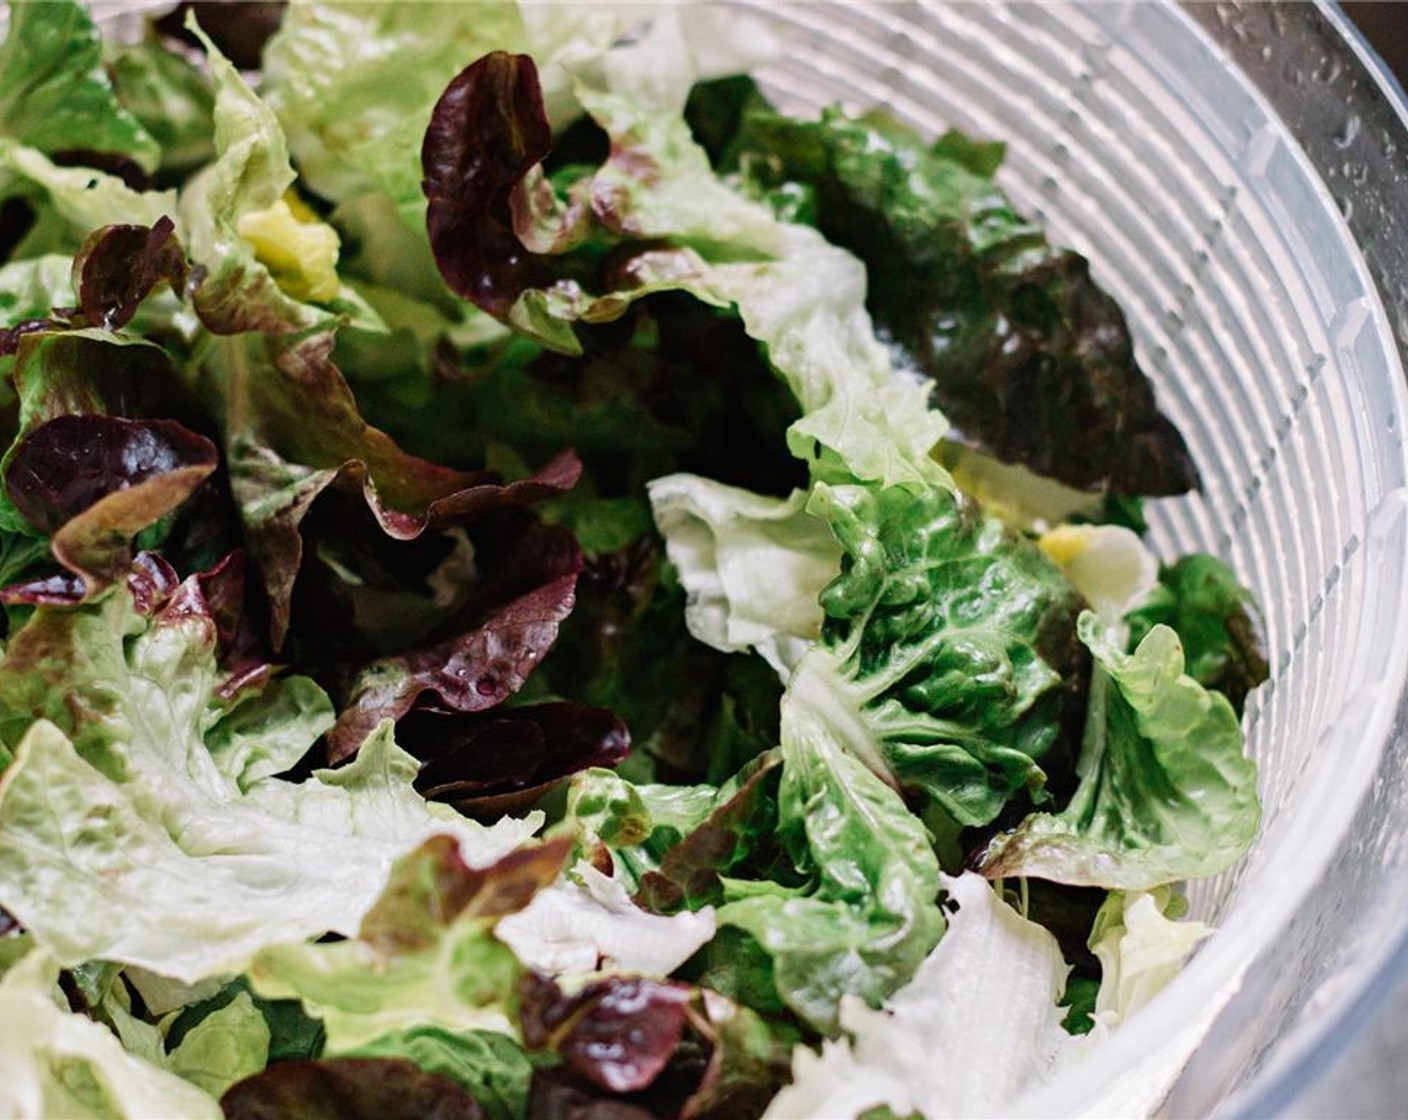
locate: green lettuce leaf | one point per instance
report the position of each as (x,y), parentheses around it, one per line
(58,1063)
(869,915)
(227,1045)
(1217,620)
(977,1025)
(267,257)
(1165,791)
(425,953)
(948,663)
(1141,949)
(752,567)
(140,825)
(56,96)
(172,99)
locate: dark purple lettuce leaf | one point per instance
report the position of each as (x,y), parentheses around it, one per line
(527,575)
(492,763)
(632,1047)
(1023,347)
(118,266)
(348,1089)
(740,830)
(433,887)
(150,580)
(486,132)
(93,482)
(618,1033)
(295,433)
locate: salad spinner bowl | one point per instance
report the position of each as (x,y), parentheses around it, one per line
(1236,177)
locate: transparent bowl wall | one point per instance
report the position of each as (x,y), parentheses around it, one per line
(1230,174)
(1138,132)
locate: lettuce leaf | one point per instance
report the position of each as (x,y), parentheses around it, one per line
(1022,346)
(58,1063)
(135,828)
(1165,791)
(1141,949)
(56,96)
(752,567)
(869,915)
(348,1089)
(572,930)
(425,953)
(1216,619)
(490,1066)
(948,663)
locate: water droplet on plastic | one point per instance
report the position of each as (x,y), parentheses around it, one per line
(1347,131)
(1292,74)
(1326,70)
(1266,53)
(1346,206)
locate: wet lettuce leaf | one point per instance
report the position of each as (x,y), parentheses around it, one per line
(948,662)
(1165,792)
(1021,345)
(503,760)
(1217,620)
(200,856)
(631,1046)
(868,913)
(55,94)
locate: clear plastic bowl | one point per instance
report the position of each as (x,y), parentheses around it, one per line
(1231,174)
(1234,175)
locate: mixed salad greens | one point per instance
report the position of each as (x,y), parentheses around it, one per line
(535,585)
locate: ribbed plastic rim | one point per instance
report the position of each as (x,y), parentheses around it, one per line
(1306,1058)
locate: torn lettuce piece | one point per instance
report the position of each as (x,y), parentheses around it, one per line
(976,1026)
(58,1063)
(55,94)
(752,567)
(868,914)
(1141,948)
(73,201)
(1021,347)
(226,1046)
(124,836)
(572,930)
(1217,620)
(1165,792)
(425,953)
(948,662)
(488,1065)
(238,223)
